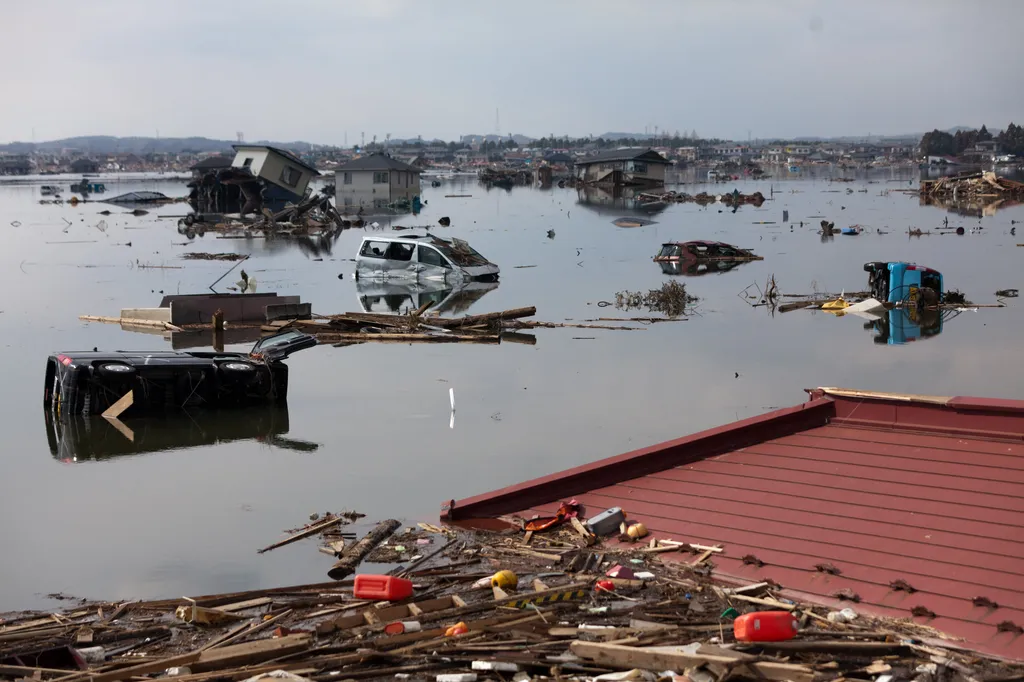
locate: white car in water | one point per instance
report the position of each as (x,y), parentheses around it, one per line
(422,257)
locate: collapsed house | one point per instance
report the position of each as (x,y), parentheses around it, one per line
(259,177)
(629,166)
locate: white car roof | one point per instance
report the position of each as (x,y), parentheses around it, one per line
(396,238)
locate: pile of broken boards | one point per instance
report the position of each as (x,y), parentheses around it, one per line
(703,199)
(973,186)
(558,617)
(313,215)
(351,328)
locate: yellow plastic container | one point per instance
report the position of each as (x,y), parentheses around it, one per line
(505,579)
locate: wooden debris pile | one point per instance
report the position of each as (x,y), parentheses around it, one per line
(703,198)
(202,255)
(557,604)
(313,215)
(349,328)
(973,185)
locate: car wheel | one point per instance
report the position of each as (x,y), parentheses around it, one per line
(240,368)
(116,369)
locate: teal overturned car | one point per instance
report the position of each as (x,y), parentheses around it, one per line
(918,289)
(899,282)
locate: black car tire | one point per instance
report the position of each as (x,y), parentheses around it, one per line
(116,369)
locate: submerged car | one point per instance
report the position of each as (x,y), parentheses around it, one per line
(701,257)
(88,382)
(422,257)
(897,282)
(405,296)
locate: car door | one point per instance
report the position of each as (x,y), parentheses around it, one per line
(434,265)
(280,346)
(372,259)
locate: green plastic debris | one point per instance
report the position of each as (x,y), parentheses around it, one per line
(730,614)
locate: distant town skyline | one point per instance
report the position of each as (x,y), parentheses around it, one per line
(332,73)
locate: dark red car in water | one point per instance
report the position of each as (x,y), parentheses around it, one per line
(701,257)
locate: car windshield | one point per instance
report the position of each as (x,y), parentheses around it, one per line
(670,250)
(279,340)
(459,252)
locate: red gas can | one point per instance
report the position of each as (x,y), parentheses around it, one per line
(382,588)
(765,626)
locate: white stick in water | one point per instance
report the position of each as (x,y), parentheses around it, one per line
(451,396)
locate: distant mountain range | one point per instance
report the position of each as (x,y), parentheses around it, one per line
(106,144)
(476,139)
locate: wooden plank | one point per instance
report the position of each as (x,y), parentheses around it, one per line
(249,653)
(159,665)
(838,646)
(665,658)
(312,530)
(762,602)
(123,403)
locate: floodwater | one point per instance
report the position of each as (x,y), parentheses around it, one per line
(184,508)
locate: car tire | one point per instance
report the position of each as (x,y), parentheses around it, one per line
(116,370)
(237,368)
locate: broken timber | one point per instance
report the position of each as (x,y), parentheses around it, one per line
(355,554)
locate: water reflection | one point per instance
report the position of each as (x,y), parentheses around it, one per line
(376,296)
(77,438)
(617,201)
(696,269)
(975,207)
(899,326)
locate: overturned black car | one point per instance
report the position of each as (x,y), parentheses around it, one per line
(89,382)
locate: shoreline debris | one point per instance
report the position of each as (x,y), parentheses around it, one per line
(485,605)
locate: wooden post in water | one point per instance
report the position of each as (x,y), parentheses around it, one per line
(218,330)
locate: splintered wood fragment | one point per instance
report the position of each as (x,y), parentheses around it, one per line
(583,532)
(355,554)
(702,558)
(312,530)
(763,602)
(750,589)
(528,537)
(539,585)
(241,634)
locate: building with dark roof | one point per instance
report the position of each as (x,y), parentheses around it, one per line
(627,166)
(84,166)
(376,180)
(211,164)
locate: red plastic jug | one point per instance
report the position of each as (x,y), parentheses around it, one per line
(765,626)
(382,588)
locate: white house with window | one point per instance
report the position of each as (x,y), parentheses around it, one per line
(376,180)
(285,175)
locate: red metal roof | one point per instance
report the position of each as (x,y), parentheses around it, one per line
(927,491)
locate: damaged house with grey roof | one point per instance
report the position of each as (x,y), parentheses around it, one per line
(619,167)
(377,181)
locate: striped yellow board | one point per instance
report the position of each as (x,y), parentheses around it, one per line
(551,598)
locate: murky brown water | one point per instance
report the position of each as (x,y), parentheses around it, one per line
(184,508)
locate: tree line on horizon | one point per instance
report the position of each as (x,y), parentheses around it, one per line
(942,143)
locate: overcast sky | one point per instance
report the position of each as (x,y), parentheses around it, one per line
(316,71)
